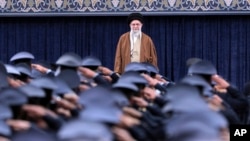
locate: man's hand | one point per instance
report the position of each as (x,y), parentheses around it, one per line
(4,139)
(87,72)
(66,104)
(40,68)
(139,101)
(64,112)
(152,82)
(19,125)
(149,93)
(215,103)
(221,84)
(84,87)
(15,83)
(36,111)
(127,121)
(132,112)
(108,78)
(104,70)
(122,134)
(71,97)
(159,78)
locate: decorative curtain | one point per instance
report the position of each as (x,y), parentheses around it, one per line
(224,40)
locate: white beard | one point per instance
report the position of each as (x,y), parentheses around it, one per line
(136,32)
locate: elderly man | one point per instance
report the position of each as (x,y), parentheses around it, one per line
(134,46)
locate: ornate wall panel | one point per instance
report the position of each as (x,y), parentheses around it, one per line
(122,7)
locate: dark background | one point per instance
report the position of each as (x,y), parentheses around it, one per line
(224,40)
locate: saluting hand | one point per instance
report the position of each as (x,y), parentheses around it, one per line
(132,112)
(149,93)
(128,121)
(151,81)
(37,111)
(87,72)
(104,70)
(40,68)
(221,84)
(122,134)
(19,125)
(139,101)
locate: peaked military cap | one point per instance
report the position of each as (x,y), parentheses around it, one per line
(101,95)
(90,95)
(34,134)
(44,83)
(70,77)
(135,66)
(12,96)
(85,130)
(62,86)
(126,85)
(184,98)
(32,91)
(151,68)
(186,105)
(24,69)
(91,61)
(182,90)
(196,80)
(191,127)
(6,112)
(69,59)
(101,113)
(22,55)
(119,98)
(133,77)
(5,130)
(102,105)
(213,118)
(192,61)
(12,69)
(202,67)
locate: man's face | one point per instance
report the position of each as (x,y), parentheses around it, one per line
(135,26)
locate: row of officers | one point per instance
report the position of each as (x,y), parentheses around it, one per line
(79,99)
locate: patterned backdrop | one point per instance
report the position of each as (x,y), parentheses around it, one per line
(116,7)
